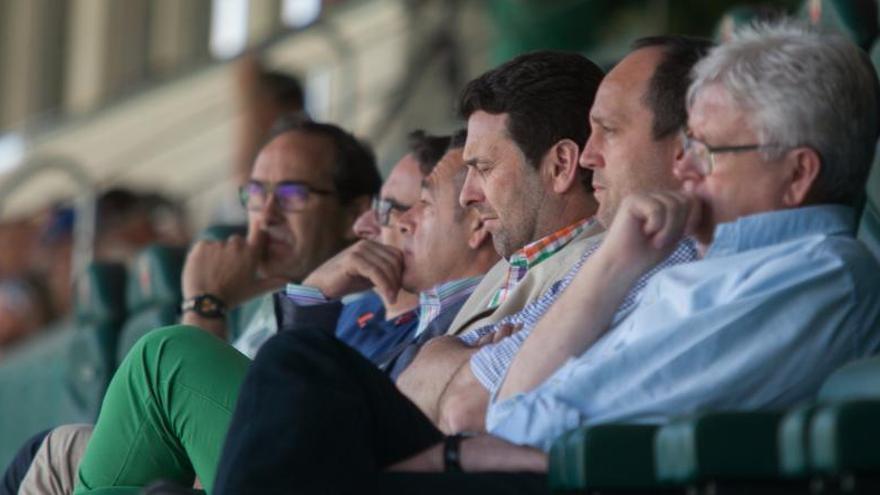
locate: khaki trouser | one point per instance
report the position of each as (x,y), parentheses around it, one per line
(53,470)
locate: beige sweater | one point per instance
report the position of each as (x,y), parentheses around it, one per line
(539,279)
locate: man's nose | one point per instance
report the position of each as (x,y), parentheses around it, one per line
(367,225)
(590,158)
(405,221)
(471,191)
(688,168)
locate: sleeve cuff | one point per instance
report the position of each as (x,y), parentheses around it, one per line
(305,295)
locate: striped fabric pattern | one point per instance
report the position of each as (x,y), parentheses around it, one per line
(432,301)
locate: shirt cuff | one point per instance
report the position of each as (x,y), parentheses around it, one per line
(305,295)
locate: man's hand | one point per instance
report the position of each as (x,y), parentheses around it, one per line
(227,269)
(647,227)
(361,266)
(498,335)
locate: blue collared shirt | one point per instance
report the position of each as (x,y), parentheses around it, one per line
(779,301)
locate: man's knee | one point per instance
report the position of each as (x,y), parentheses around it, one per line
(175,340)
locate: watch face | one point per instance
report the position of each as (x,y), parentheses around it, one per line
(206,305)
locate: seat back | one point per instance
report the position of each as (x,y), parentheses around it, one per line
(857,19)
(220,232)
(857,380)
(153,293)
(99,315)
(869,228)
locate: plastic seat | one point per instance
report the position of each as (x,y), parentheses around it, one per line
(153,293)
(220,232)
(612,457)
(844,433)
(869,229)
(99,315)
(721,449)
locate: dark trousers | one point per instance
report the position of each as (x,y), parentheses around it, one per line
(20,464)
(314,416)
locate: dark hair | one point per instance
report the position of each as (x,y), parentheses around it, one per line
(459,137)
(667,89)
(285,89)
(355,173)
(547,96)
(427,149)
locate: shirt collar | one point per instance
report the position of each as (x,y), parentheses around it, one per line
(435,300)
(765,229)
(545,247)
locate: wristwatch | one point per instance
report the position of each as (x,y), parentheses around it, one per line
(205,305)
(452,453)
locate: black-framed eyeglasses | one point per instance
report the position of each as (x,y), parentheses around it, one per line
(705,154)
(383,208)
(291,196)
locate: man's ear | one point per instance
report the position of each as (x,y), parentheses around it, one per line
(477,233)
(562,165)
(351,212)
(802,175)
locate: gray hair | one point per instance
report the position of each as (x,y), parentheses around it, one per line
(802,88)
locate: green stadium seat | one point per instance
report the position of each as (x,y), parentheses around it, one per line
(869,229)
(611,457)
(856,19)
(727,450)
(843,433)
(793,442)
(99,314)
(220,232)
(153,294)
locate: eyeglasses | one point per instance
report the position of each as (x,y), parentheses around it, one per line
(290,196)
(383,208)
(705,154)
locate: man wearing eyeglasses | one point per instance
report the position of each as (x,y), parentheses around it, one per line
(308,186)
(781,132)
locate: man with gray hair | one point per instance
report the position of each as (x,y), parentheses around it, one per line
(783,294)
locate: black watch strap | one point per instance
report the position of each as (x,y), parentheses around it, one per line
(452,453)
(205,305)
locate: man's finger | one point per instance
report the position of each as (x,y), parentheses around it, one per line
(381,276)
(389,267)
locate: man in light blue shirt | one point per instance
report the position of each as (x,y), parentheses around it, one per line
(784,293)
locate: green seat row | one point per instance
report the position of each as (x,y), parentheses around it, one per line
(829,446)
(61,376)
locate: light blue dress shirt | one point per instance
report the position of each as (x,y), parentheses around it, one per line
(779,301)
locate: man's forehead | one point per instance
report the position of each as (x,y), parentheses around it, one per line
(296,156)
(486,134)
(404,179)
(446,169)
(625,85)
(715,113)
